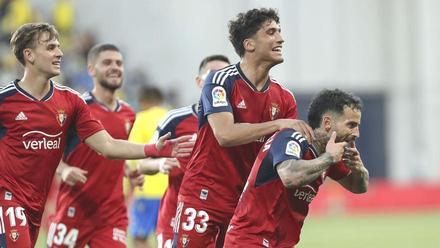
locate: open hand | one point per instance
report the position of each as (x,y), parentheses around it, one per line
(299,125)
(167,164)
(72,175)
(177,148)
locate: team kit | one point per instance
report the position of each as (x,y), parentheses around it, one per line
(247,167)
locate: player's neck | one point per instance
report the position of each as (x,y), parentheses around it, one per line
(105,97)
(37,85)
(255,71)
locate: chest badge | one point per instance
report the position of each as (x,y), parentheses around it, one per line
(14,235)
(274,110)
(61,117)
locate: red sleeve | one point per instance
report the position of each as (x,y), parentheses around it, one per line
(291,111)
(338,171)
(85,125)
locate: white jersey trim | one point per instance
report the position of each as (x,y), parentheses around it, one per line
(173,114)
(10,86)
(221,75)
(65,88)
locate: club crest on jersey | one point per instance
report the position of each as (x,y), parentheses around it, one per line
(184,240)
(274,110)
(61,117)
(218,97)
(293,149)
(14,235)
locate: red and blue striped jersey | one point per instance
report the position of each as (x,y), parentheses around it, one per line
(100,201)
(269,213)
(181,121)
(215,175)
(33,135)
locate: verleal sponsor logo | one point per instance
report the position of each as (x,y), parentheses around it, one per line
(46,142)
(306,193)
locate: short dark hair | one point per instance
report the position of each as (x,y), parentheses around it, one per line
(247,24)
(27,35)
(150,94)
(208,59)
(99,48)
(331,100)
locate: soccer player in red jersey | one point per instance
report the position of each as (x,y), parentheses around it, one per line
(289,170)
(181,121)
(93,211)
(35,117)
(240,107)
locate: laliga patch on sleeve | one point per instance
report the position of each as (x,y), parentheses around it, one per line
(219,97)
(293,149)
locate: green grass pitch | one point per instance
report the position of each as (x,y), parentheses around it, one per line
(392,230)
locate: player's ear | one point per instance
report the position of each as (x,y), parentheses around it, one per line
(327,123)
(28,55)
(249,45)
(199,81)
(91,69)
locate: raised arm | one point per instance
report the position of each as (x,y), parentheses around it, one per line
(296,173)
(152,166)
(104,144)
(229,133)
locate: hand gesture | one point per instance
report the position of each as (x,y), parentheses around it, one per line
(336,150)
(72,175)
(177,148)
(136,178)
(351,157)
(167,164)
(299,125)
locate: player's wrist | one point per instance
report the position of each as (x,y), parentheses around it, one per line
(150,150)
(161,165)
(139,168)
(328,159)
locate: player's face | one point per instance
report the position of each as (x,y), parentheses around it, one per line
(347,125)
(46,55)
(214,65)
(269,42)
(109,70)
